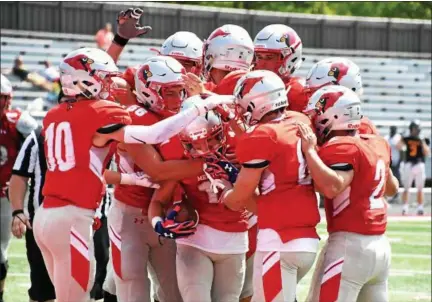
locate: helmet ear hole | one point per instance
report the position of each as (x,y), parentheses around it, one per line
(324,121)
(335,116)
(87,83)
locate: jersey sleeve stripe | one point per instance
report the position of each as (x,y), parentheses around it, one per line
(255,164)
(342,167)
(110,128)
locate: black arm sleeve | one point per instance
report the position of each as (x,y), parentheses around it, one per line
(110,128)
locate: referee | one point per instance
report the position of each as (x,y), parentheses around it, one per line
(31,165)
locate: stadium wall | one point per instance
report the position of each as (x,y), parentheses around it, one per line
(317,31)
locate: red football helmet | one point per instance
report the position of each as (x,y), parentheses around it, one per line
(283,41)
(154,78)
(5,95)
(334,108)
(334,71)
(88,72)
(206,135)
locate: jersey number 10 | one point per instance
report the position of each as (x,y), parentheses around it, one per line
(58,138)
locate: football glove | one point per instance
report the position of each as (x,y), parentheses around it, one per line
(168,228)
(225,113)
(128,25)
(212,101)
(220,169)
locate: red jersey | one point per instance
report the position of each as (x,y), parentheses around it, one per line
(129,76)
(287,203)
(135,196)
(74,165)
(361,207)
(367,127)
(10,141)
(205,201)
(229,82)
(297,97)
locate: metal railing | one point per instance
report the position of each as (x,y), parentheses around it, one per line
(316,31)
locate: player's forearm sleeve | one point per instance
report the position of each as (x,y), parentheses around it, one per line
(161,131)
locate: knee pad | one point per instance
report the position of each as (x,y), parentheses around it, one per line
(3,270)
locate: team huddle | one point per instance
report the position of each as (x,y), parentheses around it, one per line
(220,150)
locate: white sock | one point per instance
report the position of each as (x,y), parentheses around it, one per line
(405,207)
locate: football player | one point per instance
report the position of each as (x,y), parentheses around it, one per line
(216,252)
(271,158)
(14,127)
(278,48)
(78,133)
(343,72)
(160,93)
(185,47)
(416,150)
(352,171)
(227,55)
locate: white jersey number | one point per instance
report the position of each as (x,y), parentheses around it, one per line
(138,110)
(59,138)
(303,171)
(375,201)
(206,187)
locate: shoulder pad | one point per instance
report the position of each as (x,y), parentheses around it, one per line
(26,123)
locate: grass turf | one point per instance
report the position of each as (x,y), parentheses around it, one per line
(410,276)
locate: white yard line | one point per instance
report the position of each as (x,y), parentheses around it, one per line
(403,240)
(19,274)
(18,256)
(397,218)
(391,239)
(409,218)
(408,233)
(403,272)
(408,256)
(397,292)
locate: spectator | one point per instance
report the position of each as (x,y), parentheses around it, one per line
(50,72)
(416,149)
(21,71)
(104,37)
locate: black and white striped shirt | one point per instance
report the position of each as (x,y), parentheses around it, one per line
(31,163)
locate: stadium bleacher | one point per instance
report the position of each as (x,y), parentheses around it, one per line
(396,89)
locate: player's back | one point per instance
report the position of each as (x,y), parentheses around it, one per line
(75,165)
(288,202)
(361,207)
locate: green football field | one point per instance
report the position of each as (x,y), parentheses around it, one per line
(410,275)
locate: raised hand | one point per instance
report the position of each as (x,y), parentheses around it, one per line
(128,25)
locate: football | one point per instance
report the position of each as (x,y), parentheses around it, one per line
(187,212)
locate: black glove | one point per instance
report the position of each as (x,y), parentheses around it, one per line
(128,25)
